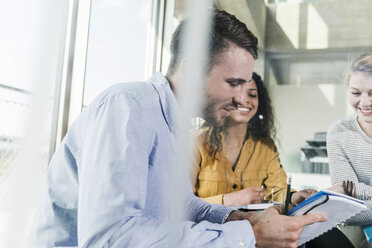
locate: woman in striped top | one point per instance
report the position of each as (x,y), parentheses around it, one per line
(349,141)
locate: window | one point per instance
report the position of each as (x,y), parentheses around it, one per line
(117,45)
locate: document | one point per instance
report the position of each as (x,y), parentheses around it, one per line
(338,208)
(258,206)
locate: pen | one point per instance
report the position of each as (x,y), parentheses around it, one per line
(264,187)
(287,199)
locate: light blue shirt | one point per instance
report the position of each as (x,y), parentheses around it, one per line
(108,180)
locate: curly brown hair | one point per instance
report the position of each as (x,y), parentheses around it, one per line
(257,129)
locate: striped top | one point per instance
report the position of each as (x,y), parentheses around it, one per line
(350,158)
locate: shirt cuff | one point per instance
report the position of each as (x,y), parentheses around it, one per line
(218,213)
(239,233)
(227,215)
(363,191)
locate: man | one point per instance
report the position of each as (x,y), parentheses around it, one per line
(107,182)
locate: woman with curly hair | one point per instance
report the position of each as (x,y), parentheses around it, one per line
(238,163)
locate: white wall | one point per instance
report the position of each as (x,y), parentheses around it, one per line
(300,112)
(319,25)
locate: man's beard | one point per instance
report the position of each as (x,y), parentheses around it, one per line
(210,114)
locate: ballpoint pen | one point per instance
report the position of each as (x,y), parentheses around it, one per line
(287,199)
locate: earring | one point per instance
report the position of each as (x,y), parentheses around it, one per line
(260,117)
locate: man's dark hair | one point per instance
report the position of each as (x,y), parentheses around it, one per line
(226,29)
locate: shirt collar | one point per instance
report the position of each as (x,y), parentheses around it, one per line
(168,101)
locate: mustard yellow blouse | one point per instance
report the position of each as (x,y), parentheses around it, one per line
(258,165)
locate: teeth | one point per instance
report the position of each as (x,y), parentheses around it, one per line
(243,109)
(366,110)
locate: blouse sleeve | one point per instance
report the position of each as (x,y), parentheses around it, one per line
(216,199)
(276,178)
(195,170)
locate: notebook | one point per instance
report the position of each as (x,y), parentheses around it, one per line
(338,208)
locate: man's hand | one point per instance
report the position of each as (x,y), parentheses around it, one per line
(274,230)
(244,197)
(302,195)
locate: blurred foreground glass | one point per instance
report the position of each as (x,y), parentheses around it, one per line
(31,47)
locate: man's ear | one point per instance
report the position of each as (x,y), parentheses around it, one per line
(182,65)
(180,70)
(178,75)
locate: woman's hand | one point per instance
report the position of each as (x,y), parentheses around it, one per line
(346,187)
(244,197)
(337,188)
(300,196)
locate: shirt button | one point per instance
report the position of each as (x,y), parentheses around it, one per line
(241,243)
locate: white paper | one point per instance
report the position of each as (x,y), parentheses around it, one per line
(259,206)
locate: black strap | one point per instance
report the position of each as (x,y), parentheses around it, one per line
(320,203)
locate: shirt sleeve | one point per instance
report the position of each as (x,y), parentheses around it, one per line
(363,218)
(113,173)
(341,169)
(208,226)
(231,234)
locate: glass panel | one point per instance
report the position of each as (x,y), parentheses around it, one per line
(117,44)
(294,70)
(292,1)
(31,41)
(308,49)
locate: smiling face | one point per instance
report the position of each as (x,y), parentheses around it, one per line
(360,96)
(227,83)
(245,112)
